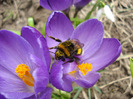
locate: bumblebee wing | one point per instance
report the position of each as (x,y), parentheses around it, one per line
(77,42)
(78,47)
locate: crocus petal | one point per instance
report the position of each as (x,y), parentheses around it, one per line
(107,54)
(38,43)
(12,87)
(81,3)
(90,33)
(14,50)
(109,13)
(76,1)
(89,80)
(58,26)
(10,82)
(56,4)
(46,94)
(40,75)
(17,95)
(57,78)
(68,67)
(2,97)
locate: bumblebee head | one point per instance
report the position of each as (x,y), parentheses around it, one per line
(59,55)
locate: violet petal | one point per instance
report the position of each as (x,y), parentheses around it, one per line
(10,82)
(107,54)
(40,75)
(56,5)
(14,50)
(81,3)
(88,80)
(38,43)
(90,33)
(17,95)
(57,78)
(58,26)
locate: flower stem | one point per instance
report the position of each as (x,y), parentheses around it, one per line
(94,7)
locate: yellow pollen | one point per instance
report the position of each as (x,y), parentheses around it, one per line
(84,68)
(72,72)
(23,73)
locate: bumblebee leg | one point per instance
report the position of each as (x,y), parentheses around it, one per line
(58,40)
(68,61)
(68,39)
(72,59)
(77,60)
(53,47)
(51,52)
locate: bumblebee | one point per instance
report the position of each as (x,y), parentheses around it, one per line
(68,49)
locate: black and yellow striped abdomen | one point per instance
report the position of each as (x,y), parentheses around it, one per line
(67,47)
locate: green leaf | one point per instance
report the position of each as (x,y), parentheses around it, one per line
(43,30)
(74,88)
(131,66)
(89,93)
(101,70)
(31,21)
(64,94)
(17,32)
(77,94)
(55,96)
(97,89)
(76,21)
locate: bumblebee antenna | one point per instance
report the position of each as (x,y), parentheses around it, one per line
(51,52)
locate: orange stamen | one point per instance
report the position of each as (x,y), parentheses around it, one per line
(23,73)
(84,68)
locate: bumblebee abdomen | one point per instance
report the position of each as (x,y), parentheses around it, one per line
(64,49)
(67,47)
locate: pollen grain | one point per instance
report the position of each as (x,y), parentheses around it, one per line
(84,68)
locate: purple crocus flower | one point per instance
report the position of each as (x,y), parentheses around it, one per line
(81,3)
(56,4)
(24,65)
(59,5)
(98,52)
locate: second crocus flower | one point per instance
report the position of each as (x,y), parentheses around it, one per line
(24,65)
(60,5)
(98,52)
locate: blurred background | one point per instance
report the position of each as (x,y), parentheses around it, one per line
(116,81)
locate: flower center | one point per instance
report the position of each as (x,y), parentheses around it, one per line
(84,68)
(23,73)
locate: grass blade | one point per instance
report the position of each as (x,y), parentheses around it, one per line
(97,89)
(77,94)
(17,32)
(131,66)
(89,93)
(43,30)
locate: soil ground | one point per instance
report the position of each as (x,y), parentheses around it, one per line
(115,81)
